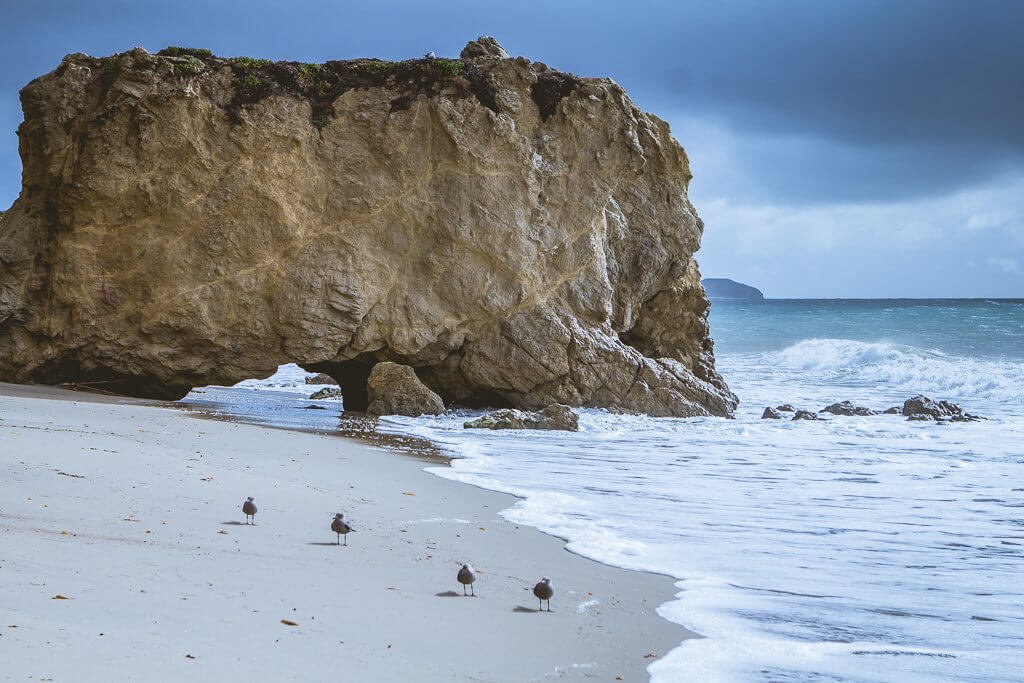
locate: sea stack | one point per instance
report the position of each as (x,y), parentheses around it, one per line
(518,235)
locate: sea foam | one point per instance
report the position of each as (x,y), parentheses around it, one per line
(837,363)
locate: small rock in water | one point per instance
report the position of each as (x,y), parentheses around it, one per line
(921,408)
(394,389)
(321,378)
(786,408)
(329,392)
(555,416)
(847,408)
(805,415)
(771,414)
(922,405)
(895,410)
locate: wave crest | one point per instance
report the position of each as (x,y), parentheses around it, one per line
(847,361)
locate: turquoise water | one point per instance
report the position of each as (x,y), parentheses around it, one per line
(985,328)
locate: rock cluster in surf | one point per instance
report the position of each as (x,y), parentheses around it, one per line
(918,409)
(518,235)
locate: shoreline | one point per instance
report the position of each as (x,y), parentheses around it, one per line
(153,555)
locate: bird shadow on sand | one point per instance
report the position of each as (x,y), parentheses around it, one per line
(525,610)
(237,524)
(450,594)
(332,544)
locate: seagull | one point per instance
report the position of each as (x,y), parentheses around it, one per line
(341,527)
(429,55)
(466,577)
(544,591)
(249,508)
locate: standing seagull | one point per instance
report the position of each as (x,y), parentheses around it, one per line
(544,591)
(466,577)
(249,508)
(341,527)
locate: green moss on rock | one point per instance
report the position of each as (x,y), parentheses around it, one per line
(255,79)
(176,51)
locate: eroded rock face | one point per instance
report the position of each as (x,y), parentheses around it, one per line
(553,417)
(394,389)
(484,46)
(518,235)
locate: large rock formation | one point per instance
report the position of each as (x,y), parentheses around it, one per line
(519,235)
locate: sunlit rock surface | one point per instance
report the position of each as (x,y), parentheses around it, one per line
(519,235)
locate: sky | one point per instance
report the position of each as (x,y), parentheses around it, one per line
(858,149)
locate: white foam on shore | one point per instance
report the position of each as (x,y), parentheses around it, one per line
(435,520)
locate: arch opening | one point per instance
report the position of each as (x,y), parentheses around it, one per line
(351,376)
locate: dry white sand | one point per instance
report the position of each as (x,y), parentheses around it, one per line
(133,513)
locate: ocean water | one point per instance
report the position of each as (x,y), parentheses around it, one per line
(847,549)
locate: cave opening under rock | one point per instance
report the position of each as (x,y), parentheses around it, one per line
(74,373)
(351,376)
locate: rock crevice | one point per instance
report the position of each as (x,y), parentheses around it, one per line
(518,235)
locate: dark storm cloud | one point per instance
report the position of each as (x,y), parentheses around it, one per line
(875,100)
(885,99)
(871,72)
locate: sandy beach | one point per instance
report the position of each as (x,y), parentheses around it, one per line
(125,557)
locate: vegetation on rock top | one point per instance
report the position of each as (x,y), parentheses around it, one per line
(254,79)
(175,51)
(321,84)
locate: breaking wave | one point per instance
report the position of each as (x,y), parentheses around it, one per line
(894,366)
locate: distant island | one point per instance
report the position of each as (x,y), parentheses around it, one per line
(724,288)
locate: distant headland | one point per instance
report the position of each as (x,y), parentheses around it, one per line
(724,288)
